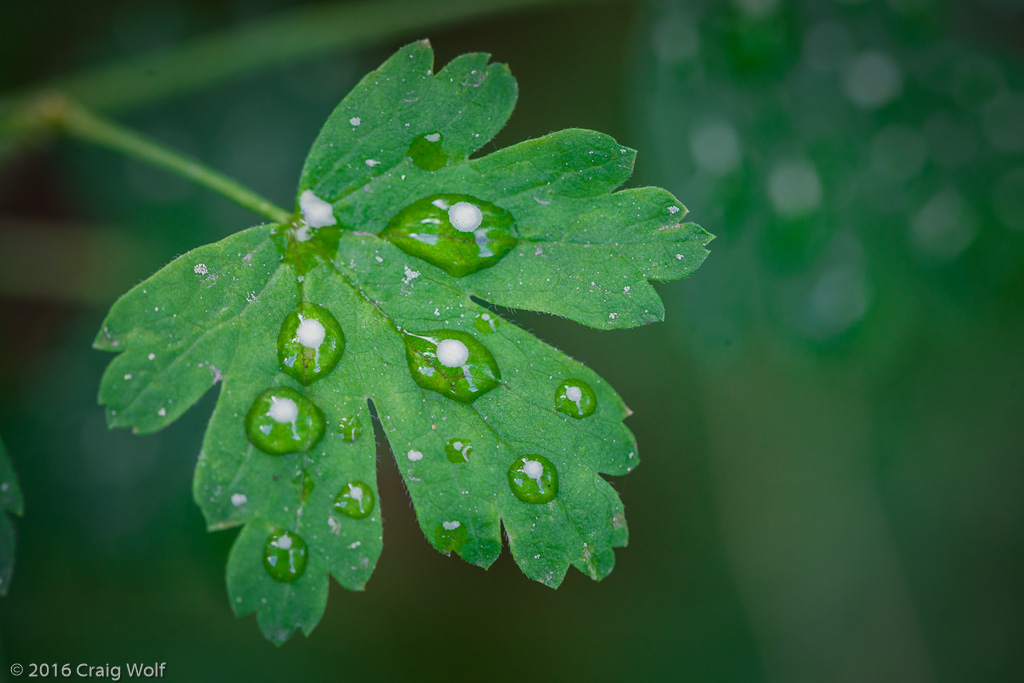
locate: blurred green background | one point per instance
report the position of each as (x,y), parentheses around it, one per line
(830,416)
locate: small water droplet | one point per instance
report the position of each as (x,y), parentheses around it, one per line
(452,363)
(457,450)
(281,420)
(486,322)
(310,343)
(533,479)
(450,535)
(457,233)
(355,500)
(350,428)
(575,398)
(284,556)
(427,152)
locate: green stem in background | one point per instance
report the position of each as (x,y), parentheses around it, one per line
(77,122)
(282,39)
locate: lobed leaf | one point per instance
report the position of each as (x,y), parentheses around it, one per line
(462,395)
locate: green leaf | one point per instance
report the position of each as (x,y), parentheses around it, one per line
(10,502)
(398,238)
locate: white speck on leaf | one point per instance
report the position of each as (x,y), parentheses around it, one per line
(316,211)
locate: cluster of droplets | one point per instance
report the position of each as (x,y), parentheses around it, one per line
(283,420)
(461,235)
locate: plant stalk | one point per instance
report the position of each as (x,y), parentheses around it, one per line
(74,120)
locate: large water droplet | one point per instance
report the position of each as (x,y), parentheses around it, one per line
(458,450)
(310,343)
(427,152)
(457,233)
(281,420)
(486,322)
(574,397)
(354,500)
(350,428)
(284,556)
(533,479)
(450,535)
(451,363)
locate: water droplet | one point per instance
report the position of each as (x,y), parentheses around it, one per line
(281,420)
(354,500)
(310,343)
(350,428)
(457,233)
(533,479)
(284,556)
(575,398)
(451,363)
(458,450)
(486,322)
(450,535)
(427,152)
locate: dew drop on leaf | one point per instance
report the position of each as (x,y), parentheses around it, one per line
(457,450)
(427,152)
(281,420)
(284,556)
(457,233)
(486,323)
(355,500)
(533,479)
(575,398)
(450,535)
(452,363)
(350,428)
(310,343)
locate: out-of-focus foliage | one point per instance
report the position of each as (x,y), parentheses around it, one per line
(868,167)
(10,502)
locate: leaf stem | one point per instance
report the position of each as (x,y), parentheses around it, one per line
(74,120)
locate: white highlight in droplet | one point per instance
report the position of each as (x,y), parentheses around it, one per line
(284,542)
(415,455)
(465,217)
(533,469)
(574,394)
(433,137)
(310,333)
(316,211)
(452,353)
(451,526)
(283,410)
(355,492)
